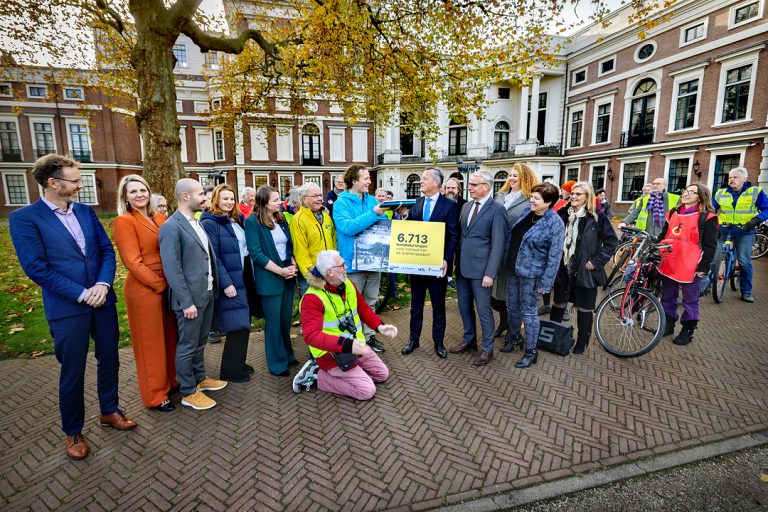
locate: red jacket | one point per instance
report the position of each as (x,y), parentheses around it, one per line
(312,312)
(245,209)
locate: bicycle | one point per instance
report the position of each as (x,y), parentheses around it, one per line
(630,321)
(760,246)
(726,270)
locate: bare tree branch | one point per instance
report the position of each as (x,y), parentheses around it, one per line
(207,42)
(116,21)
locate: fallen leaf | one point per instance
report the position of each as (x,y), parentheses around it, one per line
(15,330)
(38,353)
(294,336)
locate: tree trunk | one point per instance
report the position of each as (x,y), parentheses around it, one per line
(156,117)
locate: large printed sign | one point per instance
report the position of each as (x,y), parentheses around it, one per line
(401,246)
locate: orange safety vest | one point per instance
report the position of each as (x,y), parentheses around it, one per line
(679,263)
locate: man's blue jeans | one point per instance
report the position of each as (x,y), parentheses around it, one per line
(743,246)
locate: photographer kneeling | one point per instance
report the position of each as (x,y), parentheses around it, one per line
(331,314)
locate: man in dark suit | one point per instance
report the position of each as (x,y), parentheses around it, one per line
(433,207)
(482,241)
(189,266)
(63,248)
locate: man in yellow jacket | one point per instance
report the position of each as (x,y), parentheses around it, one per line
(312,231)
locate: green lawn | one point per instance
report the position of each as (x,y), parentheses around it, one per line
(23,328)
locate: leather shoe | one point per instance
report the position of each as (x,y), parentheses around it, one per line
(243,377)
(117,420)
(248,368)
(468,347)
(484,358)
(166,406)
(77,448)
(412,345)
(441,352)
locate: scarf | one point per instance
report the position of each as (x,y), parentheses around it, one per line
(657,208)
(511,197)
(572,232)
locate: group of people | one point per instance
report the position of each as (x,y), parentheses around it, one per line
(216,262)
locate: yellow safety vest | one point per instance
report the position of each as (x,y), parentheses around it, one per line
(745,206)
(330,318)
(642,218)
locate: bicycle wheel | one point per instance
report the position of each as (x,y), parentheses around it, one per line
(633,330)
(720,284)
(734,279)
(617,284)
(760,247)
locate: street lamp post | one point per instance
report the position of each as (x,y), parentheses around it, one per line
(466,169)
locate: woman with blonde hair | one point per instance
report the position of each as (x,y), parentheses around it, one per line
(692,229)
(223,223)
(152,323)
(589,243)
(515,196)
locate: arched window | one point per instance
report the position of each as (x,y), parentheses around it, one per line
(310,145)
(643,110)
(501,137)
(457,138)
(498,181)
(412,186)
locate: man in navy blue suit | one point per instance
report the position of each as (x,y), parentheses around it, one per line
(63,248)
(433,207)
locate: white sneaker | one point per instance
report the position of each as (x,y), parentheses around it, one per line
(306,377)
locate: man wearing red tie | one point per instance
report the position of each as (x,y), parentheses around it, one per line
(433,207)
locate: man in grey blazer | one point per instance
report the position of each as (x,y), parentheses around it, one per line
(482,242)
(189,266)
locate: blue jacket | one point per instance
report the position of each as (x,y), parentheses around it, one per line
(51,258)
(228,314)
(541,250)
(352,215)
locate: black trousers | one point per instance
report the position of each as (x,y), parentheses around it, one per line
(436,287)
(233,356)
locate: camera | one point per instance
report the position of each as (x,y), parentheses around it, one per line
(347,323)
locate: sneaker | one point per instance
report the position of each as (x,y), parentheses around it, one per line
(747,297)
(306,377)
(214,337)
(209,384)
(451,284)
(198,401)
(375,345)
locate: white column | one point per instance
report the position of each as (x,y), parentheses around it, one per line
(522,122)
(535,110)
(239,143)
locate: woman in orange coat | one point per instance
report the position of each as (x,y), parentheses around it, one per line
(153,325)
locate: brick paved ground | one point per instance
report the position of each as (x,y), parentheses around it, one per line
(438,432)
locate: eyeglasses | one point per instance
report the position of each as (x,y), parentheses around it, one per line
(314,195)
(578,194)
(477,184)
(343,265)
(690,192)
(76,182)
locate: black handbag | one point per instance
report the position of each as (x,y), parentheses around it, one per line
(555,337)
(345,361)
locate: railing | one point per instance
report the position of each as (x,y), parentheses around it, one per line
(311,161)
(549,149)
(82,156)
(43,151)
(11,155)
(637,137)
(520,150)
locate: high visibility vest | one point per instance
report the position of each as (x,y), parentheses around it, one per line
(745,206)
(330,318)
(642,218)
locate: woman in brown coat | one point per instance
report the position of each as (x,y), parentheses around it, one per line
(153,325)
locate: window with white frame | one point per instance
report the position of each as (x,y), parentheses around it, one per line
(201,107)
(310,145)
(576,128)
(74,94)
(602,123)
(645,51)
(337,144)
(260,180)
(42,137)
(606,66)
(359,145)
(736,97)
(79,140)
(686,104)
(503,93)
(314,179)
(88,193)
(677,175)
(216,104)
(212,60)
(9,141)
(632,180)
(179,106)
(285,184)
(695,32)
(37,91)
(183,138)
(15,185)
(724,164)
(579,76)
(6,90)
(180,52)
(572,174)
(501,137)
(218,144)
(457,138)
(284,143)
(259,143)
(204,143)
(598,177)
(745,12)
